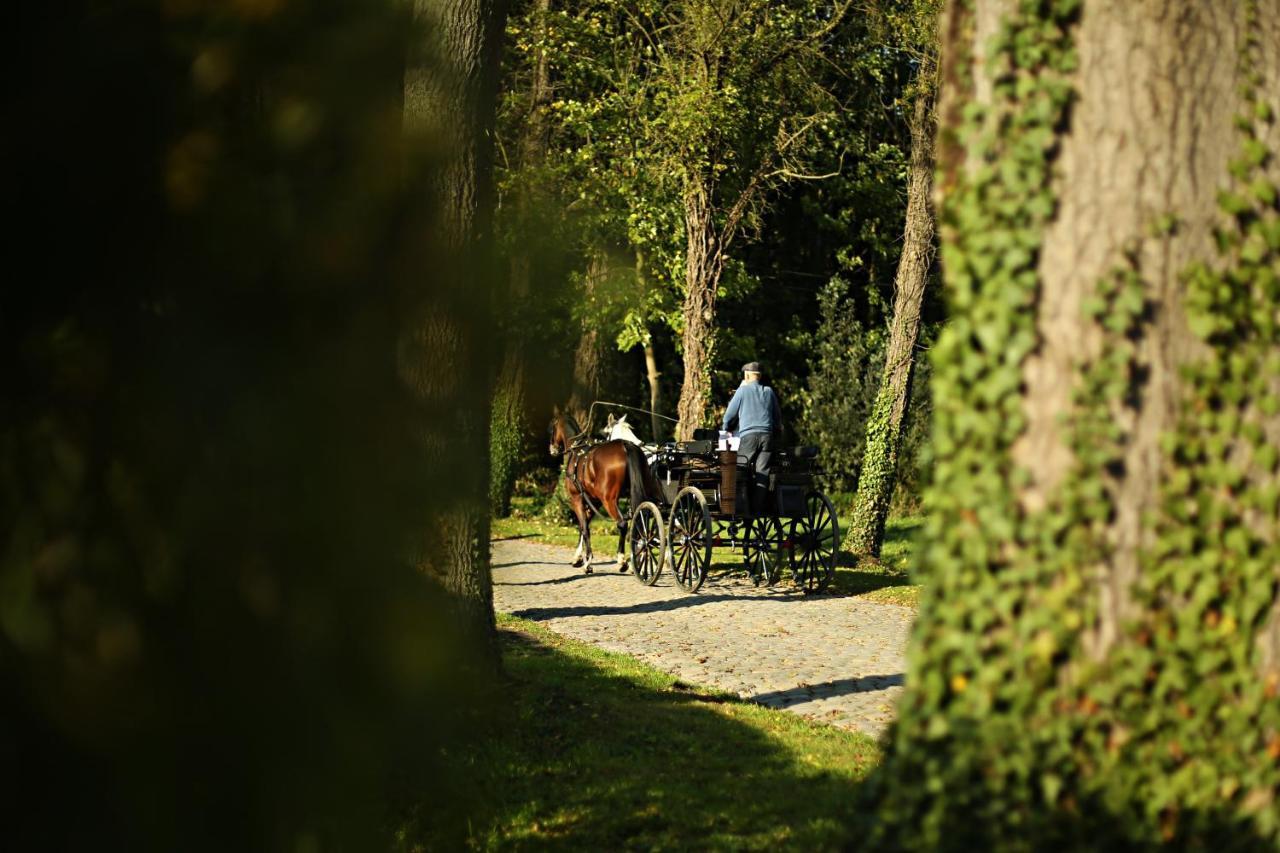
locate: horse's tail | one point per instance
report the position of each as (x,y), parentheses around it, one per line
(638,475)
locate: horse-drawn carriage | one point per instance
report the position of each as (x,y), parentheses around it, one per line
(705,497)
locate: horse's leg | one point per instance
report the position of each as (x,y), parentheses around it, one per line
(586,528)
(579,512)
(611,507)
(623,556)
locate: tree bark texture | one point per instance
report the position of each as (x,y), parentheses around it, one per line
(1102,547)
(1151,134)
(445,355)
(588,357)
(704,263)
(878,476)
(653,375)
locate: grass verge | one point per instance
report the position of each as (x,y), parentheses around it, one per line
(590,750)
(887,579)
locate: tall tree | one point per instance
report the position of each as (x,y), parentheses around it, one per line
(879,471)
(739,101)
(597,177)
(1097,661)
(207,466)
(449,102)
(588,356)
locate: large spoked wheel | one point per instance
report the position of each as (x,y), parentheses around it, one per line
(689,536)
(815,541)
(762,550)
(647,538)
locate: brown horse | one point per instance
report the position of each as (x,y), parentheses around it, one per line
(594,476)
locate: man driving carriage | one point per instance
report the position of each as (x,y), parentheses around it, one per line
(755,416)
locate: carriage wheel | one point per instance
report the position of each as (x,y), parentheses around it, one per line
(647,538)
(761,550)
(815,541)
(689,534)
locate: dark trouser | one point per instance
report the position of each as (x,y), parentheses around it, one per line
(756,450)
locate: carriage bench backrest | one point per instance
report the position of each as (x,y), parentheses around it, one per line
(699,447)
(789,492)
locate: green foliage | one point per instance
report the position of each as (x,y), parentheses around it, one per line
(1010,736)
(507,439)
(845,367)
(846,362)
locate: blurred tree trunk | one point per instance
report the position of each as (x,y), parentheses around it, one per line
(704,264)
(1095,664)
(588,357)
(446,353)
(879,471)
(509,426)
(652,375)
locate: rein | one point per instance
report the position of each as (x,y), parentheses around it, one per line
(572,458)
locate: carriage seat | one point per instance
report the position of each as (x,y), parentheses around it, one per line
(807,451)
(698,446)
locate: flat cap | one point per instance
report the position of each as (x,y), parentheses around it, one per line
(751,367)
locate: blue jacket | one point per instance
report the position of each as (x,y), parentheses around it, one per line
(754,408)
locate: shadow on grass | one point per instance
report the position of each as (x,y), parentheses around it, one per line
(857,576)
(594,752)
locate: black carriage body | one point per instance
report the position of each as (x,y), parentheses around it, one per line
(725,479)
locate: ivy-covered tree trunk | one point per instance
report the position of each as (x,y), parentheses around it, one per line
(878,476)
(704,263)
(444,354)
(1095,663)
(508,424)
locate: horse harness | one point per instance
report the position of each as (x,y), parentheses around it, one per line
(573,459)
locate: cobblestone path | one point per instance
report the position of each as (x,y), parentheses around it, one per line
(831,658)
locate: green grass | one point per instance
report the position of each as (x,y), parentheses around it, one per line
(885,580)
(589,750)
(545,531)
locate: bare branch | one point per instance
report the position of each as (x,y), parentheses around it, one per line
(799,176)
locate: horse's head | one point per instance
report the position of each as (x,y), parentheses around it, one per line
(556,435)
(614,425)
(561,432)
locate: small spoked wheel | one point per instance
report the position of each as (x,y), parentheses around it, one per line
(815,541)
(689,536)
(762,550)
(647,539)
